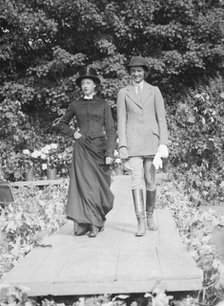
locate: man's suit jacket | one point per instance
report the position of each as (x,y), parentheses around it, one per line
(142,122)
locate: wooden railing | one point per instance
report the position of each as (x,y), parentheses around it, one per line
(38,183)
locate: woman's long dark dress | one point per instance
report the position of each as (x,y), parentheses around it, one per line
(89,196)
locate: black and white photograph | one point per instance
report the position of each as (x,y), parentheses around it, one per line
(111,153)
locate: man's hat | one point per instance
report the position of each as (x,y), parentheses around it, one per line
(137,61)
(87,72)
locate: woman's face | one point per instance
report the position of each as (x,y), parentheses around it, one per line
(88,87)
(137,74)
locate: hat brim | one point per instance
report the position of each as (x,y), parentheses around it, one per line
(146,68)
(94,78)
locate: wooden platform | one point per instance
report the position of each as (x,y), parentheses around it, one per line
(114,262)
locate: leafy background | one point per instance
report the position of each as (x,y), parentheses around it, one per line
(44,43)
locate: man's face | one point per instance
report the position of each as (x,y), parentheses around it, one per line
(88,86)
(137,74)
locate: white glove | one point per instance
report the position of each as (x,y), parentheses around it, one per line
(157,161)
(108,160)
(163,151)
(77,135)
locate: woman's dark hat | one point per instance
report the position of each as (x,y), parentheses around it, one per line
(137,61)
(87,72)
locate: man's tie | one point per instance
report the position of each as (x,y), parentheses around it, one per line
(138,90)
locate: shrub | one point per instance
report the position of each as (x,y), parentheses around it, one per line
(196,132)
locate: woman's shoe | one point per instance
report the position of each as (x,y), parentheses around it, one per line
(93,231)
(81,229)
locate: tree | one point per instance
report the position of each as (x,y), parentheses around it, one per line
(43,43)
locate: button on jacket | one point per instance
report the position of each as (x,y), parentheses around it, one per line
(94,118)
(142,123)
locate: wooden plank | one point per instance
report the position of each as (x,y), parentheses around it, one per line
(167,231)
(178,268)
(137,261)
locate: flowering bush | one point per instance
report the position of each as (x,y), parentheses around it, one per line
(14,165)
(50,154)
(49,157)
(29,159)
(46,157)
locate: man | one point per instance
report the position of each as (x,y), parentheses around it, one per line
(143,138)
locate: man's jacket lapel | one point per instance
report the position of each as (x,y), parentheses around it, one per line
(133,96)
(146,93)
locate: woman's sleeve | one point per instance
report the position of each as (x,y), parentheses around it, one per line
(161,117)
(110,131)
(64,122)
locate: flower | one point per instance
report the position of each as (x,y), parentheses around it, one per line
(47,147)
(117,160)
(44,166)
(54,146)
(197,96)
(36,154)
(50,153)
(45,150)
(43,156)
(26,152)
(203,96)
(27,159)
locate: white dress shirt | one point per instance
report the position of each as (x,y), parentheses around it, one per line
(138,86)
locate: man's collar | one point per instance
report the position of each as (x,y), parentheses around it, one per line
(141,84)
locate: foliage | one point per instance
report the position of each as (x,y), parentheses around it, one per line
(54,155)
(41,211)
(196,134)
(15,296)
(44,43)
(34,214)
(18,295)
(202,232)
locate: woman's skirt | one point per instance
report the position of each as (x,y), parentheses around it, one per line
(89,195)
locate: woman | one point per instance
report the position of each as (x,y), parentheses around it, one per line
(143,138)
(89,196)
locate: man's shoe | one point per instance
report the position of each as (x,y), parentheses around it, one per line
(151,225)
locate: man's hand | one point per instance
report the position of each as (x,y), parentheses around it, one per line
(108,160)
(157,161)
(123,153)
(163,151)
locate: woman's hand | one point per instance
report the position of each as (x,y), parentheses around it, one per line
(123,153)
(108,160)
(77,135)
